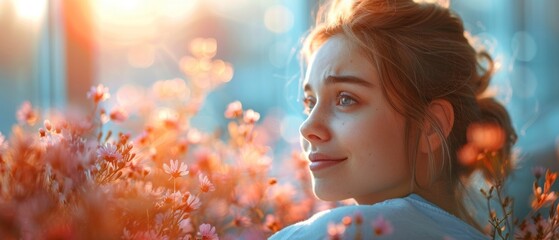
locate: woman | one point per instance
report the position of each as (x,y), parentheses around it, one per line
(391,87)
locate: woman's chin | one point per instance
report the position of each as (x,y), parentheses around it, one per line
(328,196)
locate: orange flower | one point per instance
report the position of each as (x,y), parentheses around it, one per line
(205,184)
(544,197)
(468,154)
(191,202)
(234,110)
(250,116)
(336,231)
(272,223)
(26,114)
(175,170)
(382,227)
(118,114)
(241,221)
(99,93)
(486,136)
(2,142)
(109,153)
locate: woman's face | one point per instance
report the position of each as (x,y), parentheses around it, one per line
(352,136)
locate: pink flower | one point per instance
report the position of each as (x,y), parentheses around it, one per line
(169,118)
(172,197)
(99,93)
(234,110)
(2,142)
(192,203)
(118,114)
(251,116)
(207,232)
(185,225)
(48,125)
(336,231)
(543,199)
(109,153)
(205,184)
(26,114)
(272,223)
(382,227)
(241,221)
(175,170)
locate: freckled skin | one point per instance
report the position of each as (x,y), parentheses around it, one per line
(367,130)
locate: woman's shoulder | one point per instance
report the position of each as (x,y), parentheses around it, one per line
(400,218)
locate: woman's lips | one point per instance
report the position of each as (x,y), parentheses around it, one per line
(322,161)
(318,165)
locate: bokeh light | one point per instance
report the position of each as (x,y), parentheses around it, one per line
(30,10)
(222,71)
(203,47)
(524,47)
(278,19)
(171,89)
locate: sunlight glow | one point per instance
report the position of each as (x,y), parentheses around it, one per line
(131,22)
(224,6)
(442,3)
(178,9)
(123,7)
(141,56)
(31,10)
(129,97)
(126,21)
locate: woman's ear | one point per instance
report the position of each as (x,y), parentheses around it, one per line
(442,113)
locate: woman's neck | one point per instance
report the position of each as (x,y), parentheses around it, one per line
(451,203)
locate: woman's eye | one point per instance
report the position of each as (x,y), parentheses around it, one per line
(345,100)
(309,103)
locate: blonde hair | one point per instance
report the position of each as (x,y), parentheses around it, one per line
(421,54)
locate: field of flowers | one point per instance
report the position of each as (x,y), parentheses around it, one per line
(68,176)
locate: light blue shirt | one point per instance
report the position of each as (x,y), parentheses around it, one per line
(411,217)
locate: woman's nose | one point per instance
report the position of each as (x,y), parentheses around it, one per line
(315,127)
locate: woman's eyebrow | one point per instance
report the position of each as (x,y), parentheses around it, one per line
(342,79)
(347,79)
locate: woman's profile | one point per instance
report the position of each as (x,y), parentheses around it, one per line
(390,90)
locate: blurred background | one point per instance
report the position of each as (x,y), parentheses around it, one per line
(53,51)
